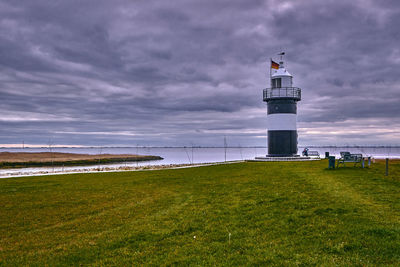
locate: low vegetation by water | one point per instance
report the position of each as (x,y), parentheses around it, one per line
(282,213)
(43,159)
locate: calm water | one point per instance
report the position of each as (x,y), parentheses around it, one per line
(187,155)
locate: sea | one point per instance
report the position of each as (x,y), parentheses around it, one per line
(183,155)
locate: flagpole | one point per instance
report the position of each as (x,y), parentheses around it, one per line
(270,72)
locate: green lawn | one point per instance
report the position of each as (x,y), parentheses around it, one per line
(271,213)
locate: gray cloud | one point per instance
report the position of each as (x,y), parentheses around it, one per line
(163,73)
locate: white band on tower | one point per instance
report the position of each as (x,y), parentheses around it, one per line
(281,122)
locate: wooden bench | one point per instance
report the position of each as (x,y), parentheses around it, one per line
(347,157)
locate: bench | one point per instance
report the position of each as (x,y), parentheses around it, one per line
(347,157)
(311,153)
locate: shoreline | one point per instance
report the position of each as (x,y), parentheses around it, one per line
(117,169)
(109,169)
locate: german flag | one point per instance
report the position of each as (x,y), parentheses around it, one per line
(274,65)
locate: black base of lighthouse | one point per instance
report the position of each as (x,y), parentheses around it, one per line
(282,143)
(282,130)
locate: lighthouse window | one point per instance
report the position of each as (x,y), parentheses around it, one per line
(277,83)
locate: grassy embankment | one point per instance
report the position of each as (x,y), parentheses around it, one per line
(247,213)
(46,159)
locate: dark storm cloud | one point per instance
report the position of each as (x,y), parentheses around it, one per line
(178,72)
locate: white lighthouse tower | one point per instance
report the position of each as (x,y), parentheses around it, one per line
(281,100)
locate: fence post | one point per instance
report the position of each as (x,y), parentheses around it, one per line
(387,166)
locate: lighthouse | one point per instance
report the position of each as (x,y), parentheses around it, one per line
(281,100)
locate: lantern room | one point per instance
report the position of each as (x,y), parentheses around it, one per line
(281,77)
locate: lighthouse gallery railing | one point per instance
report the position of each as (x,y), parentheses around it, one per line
(282,92)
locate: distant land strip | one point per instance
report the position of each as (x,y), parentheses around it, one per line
(45,159)
(2,146)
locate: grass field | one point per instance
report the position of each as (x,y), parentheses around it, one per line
(271,213)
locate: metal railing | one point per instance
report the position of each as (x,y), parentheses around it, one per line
(282,92)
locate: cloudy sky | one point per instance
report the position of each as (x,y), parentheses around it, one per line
(185,72)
